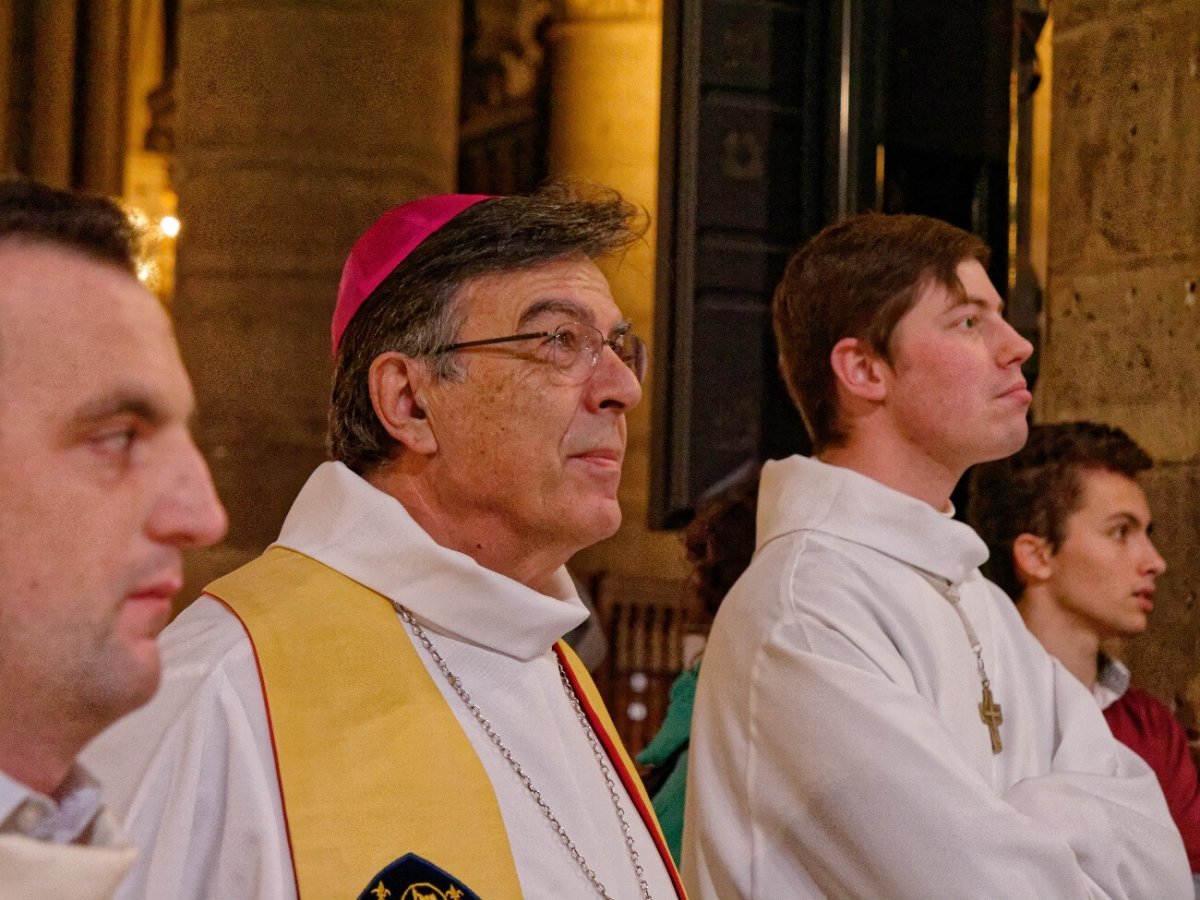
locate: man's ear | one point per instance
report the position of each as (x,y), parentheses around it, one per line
(859,369)
(395,381)
(1033,558)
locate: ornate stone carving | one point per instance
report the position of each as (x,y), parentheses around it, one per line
(160,136)
(504,89)
(504,55)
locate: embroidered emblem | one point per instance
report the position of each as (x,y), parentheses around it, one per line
(413,878)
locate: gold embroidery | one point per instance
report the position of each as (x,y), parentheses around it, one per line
(414,894)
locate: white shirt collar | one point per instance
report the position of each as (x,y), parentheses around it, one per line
(35,815)
(367,535)
(1112,681)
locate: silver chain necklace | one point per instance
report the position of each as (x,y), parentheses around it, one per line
(990,712)
(456,684)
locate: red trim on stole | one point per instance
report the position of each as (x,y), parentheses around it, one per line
(262,685)
(627,777)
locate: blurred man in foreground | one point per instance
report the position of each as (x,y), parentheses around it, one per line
(101,489)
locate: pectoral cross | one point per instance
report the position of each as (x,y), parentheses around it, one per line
(992,717)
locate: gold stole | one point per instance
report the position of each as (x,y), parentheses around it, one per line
(372,762)
(353,713)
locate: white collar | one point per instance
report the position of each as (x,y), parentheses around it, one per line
(367,535)
(35,815)
(800,493)
(1112,681)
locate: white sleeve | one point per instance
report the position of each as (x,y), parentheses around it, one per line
(845,783)
(193,773)
(1115,820)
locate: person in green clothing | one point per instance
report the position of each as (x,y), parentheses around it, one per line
(719,543)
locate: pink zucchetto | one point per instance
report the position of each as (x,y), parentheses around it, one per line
(386,244)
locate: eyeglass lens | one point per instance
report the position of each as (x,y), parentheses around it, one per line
(576,343)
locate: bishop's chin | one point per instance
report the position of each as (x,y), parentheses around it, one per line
(604,521)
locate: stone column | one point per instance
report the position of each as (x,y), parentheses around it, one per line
(103,100)
(299,123)
(53,92)
(605,58)
(7,32)
(1122,323)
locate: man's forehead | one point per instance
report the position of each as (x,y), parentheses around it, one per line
(95,327)
(974,287)
(573,288)
(47,280)
(956,299)
(1113,492)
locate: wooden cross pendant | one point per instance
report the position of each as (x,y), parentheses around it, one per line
(992,717)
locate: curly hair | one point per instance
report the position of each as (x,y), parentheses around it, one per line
(720,540)
(1036,490)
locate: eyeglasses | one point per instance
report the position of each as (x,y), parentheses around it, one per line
(575,347)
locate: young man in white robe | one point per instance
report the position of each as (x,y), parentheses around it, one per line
(872,718)
(380,705)
(101,490)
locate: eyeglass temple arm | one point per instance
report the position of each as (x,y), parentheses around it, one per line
(500,340)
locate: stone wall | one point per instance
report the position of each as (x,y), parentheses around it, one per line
(299,123)
(1121,338)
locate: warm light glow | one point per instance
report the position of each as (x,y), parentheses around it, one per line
(149,275)
(151,205)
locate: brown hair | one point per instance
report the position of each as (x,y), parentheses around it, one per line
(1036,490)
(857,279)
(413,310)
(89,224)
